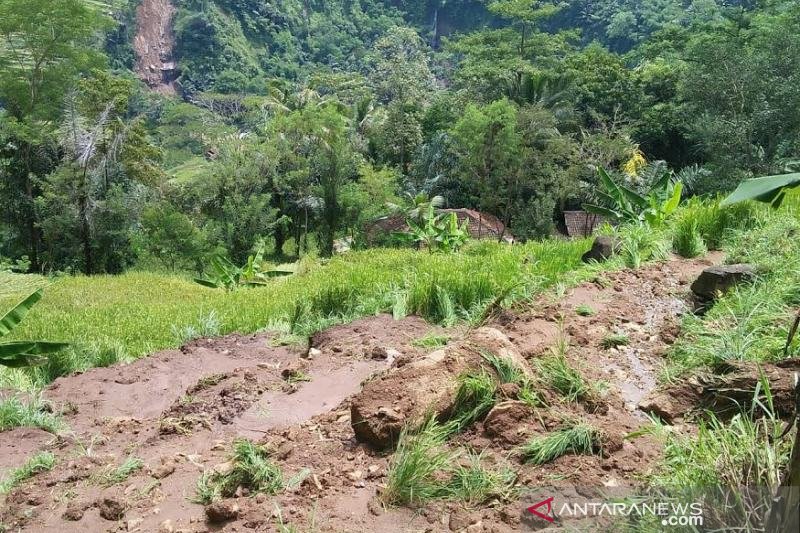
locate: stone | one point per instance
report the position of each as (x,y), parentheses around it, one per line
(162,471)
(133,524)
(719,279)
(603,248)
(166,527)
(222,511)
(313,353)
(111,508)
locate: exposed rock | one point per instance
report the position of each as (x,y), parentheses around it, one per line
(603,248)
(406,394)
(111,508)
(163,470)
(719,279)
(222,511)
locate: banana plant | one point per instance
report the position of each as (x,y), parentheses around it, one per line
(224,274)
(625,205)
(17,354)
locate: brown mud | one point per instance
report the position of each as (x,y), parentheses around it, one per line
(179,410)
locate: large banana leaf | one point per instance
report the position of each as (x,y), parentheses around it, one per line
(18,312)
(24,353)
(27,353)
(768,189)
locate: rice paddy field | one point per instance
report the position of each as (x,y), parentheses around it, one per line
(120,318)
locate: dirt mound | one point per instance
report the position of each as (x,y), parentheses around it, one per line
(373,337)
(407,394)
(725,391)
(154,43)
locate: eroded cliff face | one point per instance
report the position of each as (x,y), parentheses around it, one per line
(154,44)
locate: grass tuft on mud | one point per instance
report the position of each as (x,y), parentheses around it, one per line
(34,413)
(250,467)
(424,469)
(574,438)
(41,462)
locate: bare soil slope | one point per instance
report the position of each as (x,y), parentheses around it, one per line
(179,410)
(153,44)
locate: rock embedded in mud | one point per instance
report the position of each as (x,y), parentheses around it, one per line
(405,395)
(111,508)
(222,511)
(602,249)
(719,279)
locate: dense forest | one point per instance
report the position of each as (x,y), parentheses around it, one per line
(294,124)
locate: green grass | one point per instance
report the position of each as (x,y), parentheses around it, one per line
(748,451)
(687,240)
(251,468)
(119,474)
(423,469)
(473,483)
(475,397)
(577,439)
(585,310)
(420,456)
(120,318)
(431,341)
(614,340)
(750,322)
(563,378)
(15,412)
(41,462)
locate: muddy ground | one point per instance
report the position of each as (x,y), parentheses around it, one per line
(179,410)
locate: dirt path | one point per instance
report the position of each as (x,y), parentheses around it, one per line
(179,410)
(154,43)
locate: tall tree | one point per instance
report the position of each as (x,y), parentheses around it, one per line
(45,44)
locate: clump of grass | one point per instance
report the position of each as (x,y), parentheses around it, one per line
(41,462)
(15,412)
(431,341)
(422,469)
(749,450)
(562,377)
(251,468)
(509,372)
(686,240)
(207,490)
(615,340)
(577,439)
(585,310)
(207,325)
(419,458)
(115,476)
(640,243)
(297,377)
(474,484)
(475,397)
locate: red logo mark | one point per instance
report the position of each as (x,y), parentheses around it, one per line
(534,509)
